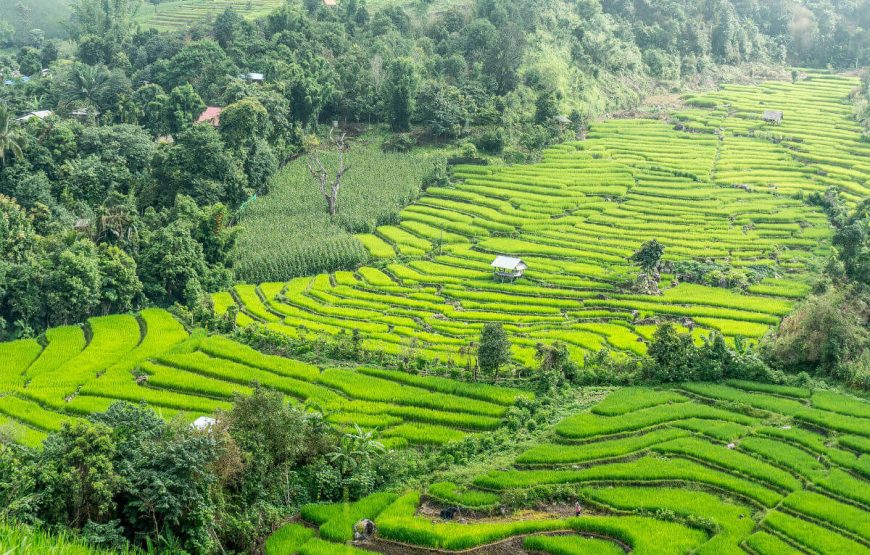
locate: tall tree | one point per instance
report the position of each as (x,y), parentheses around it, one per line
(648,255)
(330,186)
(183,107)
(11,137)
(402,82)
(243,122)
(494,350)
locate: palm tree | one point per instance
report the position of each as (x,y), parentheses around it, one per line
(11,137)
(356,447)
(84,86)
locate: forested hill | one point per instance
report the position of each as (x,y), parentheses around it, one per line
(120,153)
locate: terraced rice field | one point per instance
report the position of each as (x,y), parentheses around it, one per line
(177,15)
(725,190)
(684,470)
(75,371)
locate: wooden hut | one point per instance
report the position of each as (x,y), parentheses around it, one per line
(506,268)
(772,116)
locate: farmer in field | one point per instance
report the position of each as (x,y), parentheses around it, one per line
(577,508)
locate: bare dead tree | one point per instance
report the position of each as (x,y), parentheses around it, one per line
(330,187)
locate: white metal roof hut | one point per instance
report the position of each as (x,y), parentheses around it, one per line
(41,114)
(253,77)
(506,268)
(203,423)
(772,116)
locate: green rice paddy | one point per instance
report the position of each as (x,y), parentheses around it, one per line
(714,184)
(669,483)
(74,371)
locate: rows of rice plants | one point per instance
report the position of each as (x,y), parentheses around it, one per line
(721,193)
(150,357)
(672,485)
(180,14)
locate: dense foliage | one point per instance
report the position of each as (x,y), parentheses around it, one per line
(127,476)
(503,78)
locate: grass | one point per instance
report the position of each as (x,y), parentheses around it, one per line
(588,425)
(20,539)
(483,392)
(176,15)
(732,524)
(571,545)
(559,454)
(558,215)
(450,493)
(810,535)
(288,539)
(425,434)
(765,543)
(192,374)
(316,546)
(842,404)
(336,521)
(733,460)
(630,399)
(645,469)
(830,511)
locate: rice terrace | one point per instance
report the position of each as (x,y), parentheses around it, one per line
(433,277)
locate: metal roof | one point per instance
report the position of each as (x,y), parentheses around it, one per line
(203,422)
(211,114)
(508,263)
(41,114)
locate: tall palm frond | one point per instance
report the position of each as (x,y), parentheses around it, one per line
(11,136)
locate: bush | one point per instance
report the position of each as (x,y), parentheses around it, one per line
(827,334)
(438,176)
(399,142)
(491,141)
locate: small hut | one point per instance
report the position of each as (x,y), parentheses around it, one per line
(41,114)
(85,114)
(252,77)
(506,268)
(772,116)
(203,423)
(330,3)
(82,225)
(211,115)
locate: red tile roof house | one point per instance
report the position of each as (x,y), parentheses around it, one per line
(211,115)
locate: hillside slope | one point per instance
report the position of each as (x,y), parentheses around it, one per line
(723,192)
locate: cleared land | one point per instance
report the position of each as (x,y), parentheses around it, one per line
(723,190)
(688,473)
(176,15)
